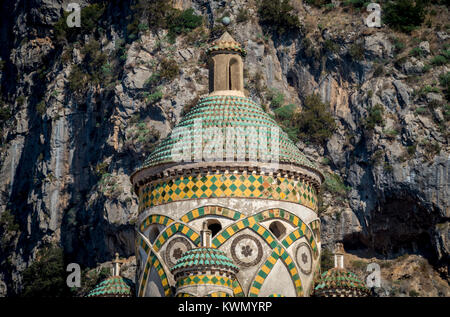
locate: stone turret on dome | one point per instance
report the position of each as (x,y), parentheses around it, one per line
(226,108)
(204,271)
(228,164)
(114,286)
(338,282)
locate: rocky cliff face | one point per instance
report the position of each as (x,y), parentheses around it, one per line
(69,144)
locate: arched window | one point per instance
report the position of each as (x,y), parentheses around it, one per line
(215,226)
(234,75)
(212,74)
(277,229)
(153,233)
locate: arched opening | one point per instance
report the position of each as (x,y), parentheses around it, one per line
(277,229)
(234,75)
(153,233)
(215,226)
(212,74)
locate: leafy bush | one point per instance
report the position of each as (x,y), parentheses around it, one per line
(183,22)
(90,16)
(46,276)
(334,184)
(444,81)
(286,112)
(169,69)
(315,123)
(404,15)
(5,113)
(8,221)
(438,60)
(379,70)
(277,16)
(242,15)
(375,117)
(275,98)
(41,107)
(417,52)
(356,3)
(356,51)
(318,3)
(326,260)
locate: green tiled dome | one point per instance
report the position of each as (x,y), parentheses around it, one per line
(115,286)
(338,280)
(204,258)
(223,112)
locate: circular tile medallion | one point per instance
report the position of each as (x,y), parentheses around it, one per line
(246,250)
(303,256)
(175,250)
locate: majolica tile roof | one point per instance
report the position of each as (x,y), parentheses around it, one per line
(338,279)
(115,286)
(203,258)
(223,112)
(226,43)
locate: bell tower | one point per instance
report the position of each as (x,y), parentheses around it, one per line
(226,68)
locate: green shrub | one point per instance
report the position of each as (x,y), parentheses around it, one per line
(242,15)
(154,96)
(90,16)
(438,60)
(20,100)
(5,113)
(356,3)
(326,260)
(8,221)
(444,81)
(315,123)
(375,117)
(169,69)
(330,46)
(356,51)
(46,276)
(413,293)
(411,149)
(320,3)
(421,110)
(335,185)
(275,98)
(77,79)
(404,15)
(417,52)
(399,46)
(183,22)
(379,70)
(286,112)
(41,107)
(278,16)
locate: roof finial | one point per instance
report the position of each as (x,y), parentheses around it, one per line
(339,255)
(206,235)
(116,265)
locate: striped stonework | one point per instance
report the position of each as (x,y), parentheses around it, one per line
(227,185)
(205,280)
(278,253)
(211,210)
(241,222)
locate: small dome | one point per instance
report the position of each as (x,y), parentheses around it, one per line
(203,258)
(115,286)
(338,282)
